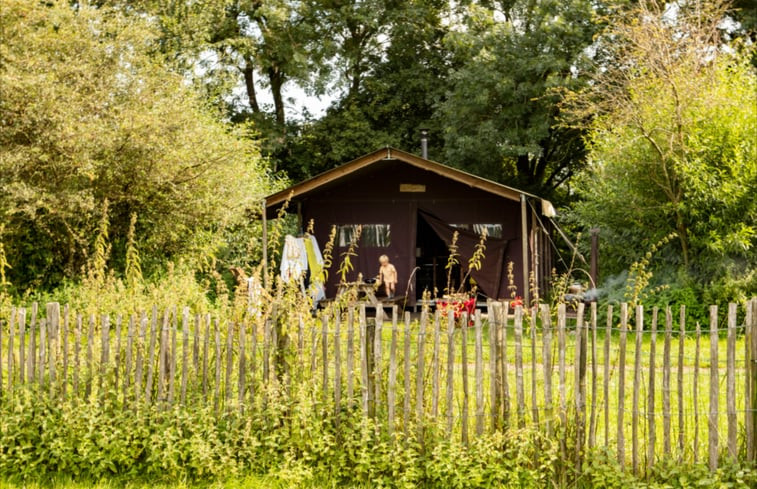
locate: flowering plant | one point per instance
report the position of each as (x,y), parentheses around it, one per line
(458,306)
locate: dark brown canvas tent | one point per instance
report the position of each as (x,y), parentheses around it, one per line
(409,208)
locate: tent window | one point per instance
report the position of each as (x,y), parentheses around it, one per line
(373,235)
(492,230)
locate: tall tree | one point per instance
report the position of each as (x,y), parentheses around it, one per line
(672,142)
(89,113)
(500,117)
(394,98)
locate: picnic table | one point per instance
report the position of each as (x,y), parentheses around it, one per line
(364,290)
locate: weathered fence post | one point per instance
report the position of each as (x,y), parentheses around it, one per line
(450,370)
(679,380)
(464,359)
(519,388)
(651,438)
(731,380)
(622,383)
(547,355)
(666,381)
(752,379)
(419,373)
(636,386)
(406,376)
(580,385)
(435,364)
(479,376)
(337,367)
(593,412)
(714,390)
(696,391)
(606,375)
(494,406)
(392,387)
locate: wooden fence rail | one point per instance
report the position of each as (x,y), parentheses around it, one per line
(407,374)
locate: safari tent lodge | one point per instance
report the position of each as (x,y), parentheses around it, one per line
(409,207)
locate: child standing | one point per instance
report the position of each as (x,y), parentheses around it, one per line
(388,275)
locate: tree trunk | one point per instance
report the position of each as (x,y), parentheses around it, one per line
(249,82)
(277,82)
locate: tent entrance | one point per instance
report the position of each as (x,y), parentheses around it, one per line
(433,237)
(431,254)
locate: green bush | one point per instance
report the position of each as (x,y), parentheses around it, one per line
(294,444)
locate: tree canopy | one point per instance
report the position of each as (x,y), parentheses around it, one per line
(672,143)
(629,115)
(88,113)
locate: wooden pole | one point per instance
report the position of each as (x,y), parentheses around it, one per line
(524,247)
(337,367)
(622,384)
(325,353)
(580,385)
(606,375)
(651,392)
(748,426)
(593,414)
(406,376)
(435,364)
(479,376)
(150,358)
(350,354)
(666,381)
(752,437)
(547,362)
(534,400)
(450,370)
(21,314)
(714,390)
(696,391)
(494,399)
(636,387)
(731,381)
(11,327)
(377,355)
(464,360)
(519,389)
(265,243)
(241,381)
(679,380)
(419,373)
(392,387)
(364,387)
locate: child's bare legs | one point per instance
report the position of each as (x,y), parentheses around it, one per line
(389,290)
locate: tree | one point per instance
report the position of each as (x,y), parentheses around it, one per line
(500,117)
(673,141)
(89,114)
(395,98)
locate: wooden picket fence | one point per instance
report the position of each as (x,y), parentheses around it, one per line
(497,373)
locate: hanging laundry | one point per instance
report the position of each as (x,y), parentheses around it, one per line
(294,259)
(315,262)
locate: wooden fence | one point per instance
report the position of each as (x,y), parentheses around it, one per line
(641,384)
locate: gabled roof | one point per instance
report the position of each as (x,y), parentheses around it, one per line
(390,153)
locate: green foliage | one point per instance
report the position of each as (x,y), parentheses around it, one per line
(392,68)
(90,112)
(672,146)
(346,266)
(294,444)
(133,267)
(500,117)
(602,471)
